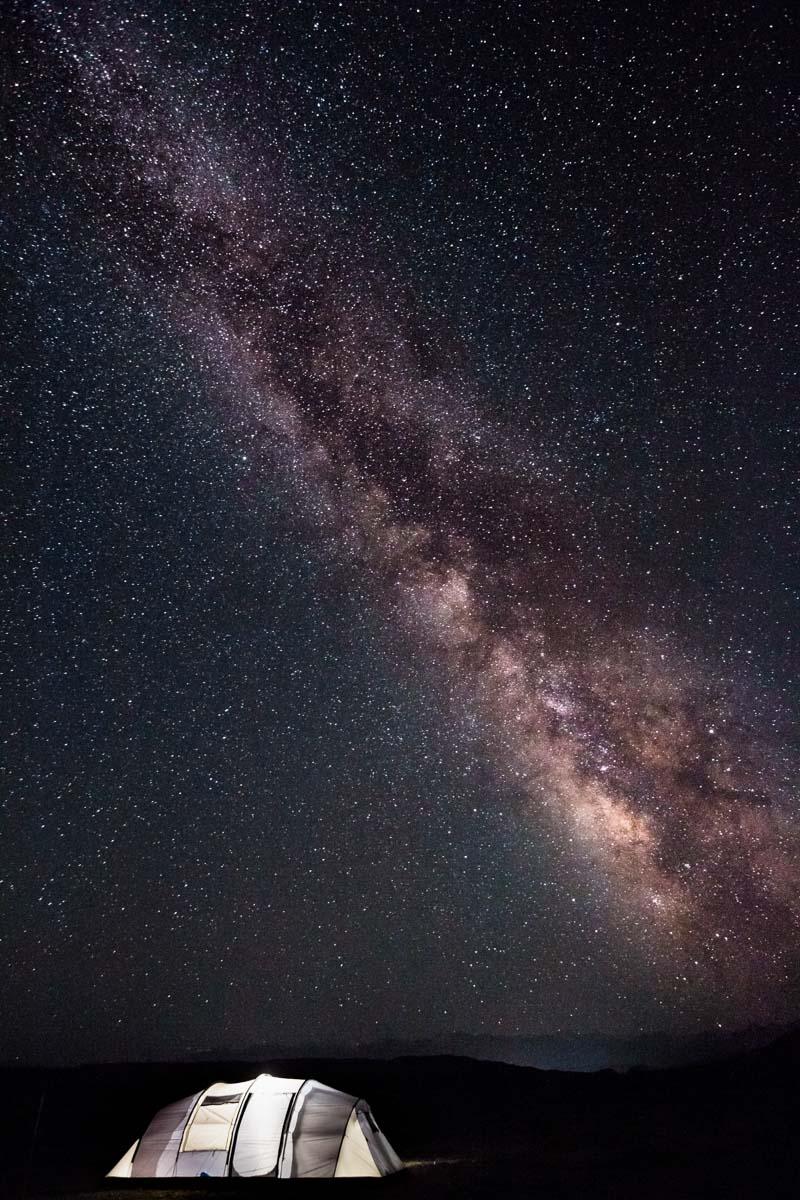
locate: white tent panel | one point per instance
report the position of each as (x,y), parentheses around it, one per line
(123,1168)
(210,1125)
(211,1128)
(258,1137)
(355,1156)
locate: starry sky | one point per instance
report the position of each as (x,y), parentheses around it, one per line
(400,575)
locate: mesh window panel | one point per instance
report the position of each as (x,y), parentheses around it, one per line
(211,1127)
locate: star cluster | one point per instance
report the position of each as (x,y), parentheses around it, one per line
(401,596)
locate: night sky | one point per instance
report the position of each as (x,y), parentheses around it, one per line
(399,570)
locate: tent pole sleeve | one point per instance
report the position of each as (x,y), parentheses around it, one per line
(235,1134)
(285,1131)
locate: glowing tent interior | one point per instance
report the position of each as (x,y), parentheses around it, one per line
(267,1126)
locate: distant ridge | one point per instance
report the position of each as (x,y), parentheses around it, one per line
(550,1052)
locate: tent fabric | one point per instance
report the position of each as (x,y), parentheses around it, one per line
(318,1126)
(258,1138)
(160,1142)
(382,1153)
(287,1128)
(123,1168)
(355,1157)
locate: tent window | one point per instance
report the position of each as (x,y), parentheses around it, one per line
(211,1126)
(234,1099)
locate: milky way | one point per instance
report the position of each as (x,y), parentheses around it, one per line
(662,773)
(647,759)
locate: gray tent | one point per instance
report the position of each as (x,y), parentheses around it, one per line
(285,1128)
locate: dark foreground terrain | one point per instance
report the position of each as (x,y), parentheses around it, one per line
(465,1128)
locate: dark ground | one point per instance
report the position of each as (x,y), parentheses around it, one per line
(464,1128)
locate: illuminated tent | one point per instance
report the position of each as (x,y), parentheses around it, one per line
(285,1128)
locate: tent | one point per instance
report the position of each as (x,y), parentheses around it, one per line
(285,1128)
